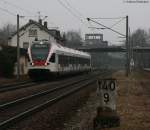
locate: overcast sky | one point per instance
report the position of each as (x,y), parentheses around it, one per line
(59,16)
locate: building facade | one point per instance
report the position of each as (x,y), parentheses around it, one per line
(95,40)
(28,33)
(34,30)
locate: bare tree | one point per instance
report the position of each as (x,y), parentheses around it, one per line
(6,32)
(73,38)
(139,38)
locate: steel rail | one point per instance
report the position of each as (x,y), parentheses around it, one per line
(21,100)
(11,121)
(14,84)
(5,124)
(24,85)
(20,85)
(11,88)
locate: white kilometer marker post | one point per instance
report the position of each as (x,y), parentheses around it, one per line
(106,92)
(106,113)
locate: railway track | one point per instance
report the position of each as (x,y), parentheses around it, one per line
(21,85)
(16,86)
(28,84)
(30,104)
(9,96)
(14,83)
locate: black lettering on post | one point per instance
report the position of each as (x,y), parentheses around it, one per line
(112,85)
(99,84)
(106,97)
(104,85)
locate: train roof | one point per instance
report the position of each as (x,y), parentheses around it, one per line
(58,47)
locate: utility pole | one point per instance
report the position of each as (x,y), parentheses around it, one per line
(127,47)
(129,51)
(18,50)
(127,66)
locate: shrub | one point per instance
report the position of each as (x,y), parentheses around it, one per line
(7,61)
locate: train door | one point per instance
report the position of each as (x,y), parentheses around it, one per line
(57,63)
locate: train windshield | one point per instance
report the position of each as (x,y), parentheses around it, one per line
(40,51)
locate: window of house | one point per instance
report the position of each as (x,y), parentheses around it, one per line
(32,32)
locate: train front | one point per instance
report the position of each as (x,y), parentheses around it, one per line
(38,53)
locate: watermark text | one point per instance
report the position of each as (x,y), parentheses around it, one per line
(136,1)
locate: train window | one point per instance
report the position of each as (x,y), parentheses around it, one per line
(73,60)
(70,60)
(40,51)
(52,59)
(65,60)
(59,59)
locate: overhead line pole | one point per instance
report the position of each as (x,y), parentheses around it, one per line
(18,50)
(127,47)
(127,41)
(130,50)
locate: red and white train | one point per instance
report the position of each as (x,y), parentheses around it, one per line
(50,58)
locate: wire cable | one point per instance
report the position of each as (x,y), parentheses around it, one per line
(16,6)
(117,22)
(79,13)
(109,18)
(7,11)
(89,19)
(69,10)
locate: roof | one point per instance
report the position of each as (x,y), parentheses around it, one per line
(58,47)
(94,34)
(55,33)
(65,50)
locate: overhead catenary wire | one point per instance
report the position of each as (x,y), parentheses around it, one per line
(15,14)
(117,22)
(70,5)
(12,13)
(76,11)
(108,18)
(92,27)
(7,11)
(16,6)
(24,17)
(70,11)
(89,19)
(111,27)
